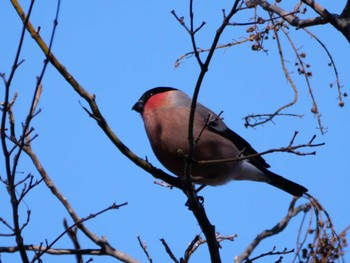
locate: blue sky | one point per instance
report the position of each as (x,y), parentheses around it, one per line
(119,49)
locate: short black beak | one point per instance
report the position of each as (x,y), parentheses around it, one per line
(138,106)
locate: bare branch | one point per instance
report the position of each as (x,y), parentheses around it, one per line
(269,117)
(191,53)
(106,247)
(10,169)
(326,244)
(318,9)
(289,149)
(280,226)
(58,251)
(253,120)
(191,248)
(37,93)
(263,21)
(168,250)
(306,74)
(72,233)
(207,122)
(340,22)
(144,248)
(181,21)
(5,223)
(79,224)
(332,64)
(198,241)
(271,253)
(346,10)
(290,17)
(30,186)
(193,200)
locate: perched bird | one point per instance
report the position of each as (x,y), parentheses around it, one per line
(165,112)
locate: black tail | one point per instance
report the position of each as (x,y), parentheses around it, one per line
(285,185)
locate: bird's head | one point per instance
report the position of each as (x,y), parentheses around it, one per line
(153,98)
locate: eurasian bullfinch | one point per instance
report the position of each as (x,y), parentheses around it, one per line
(165,112)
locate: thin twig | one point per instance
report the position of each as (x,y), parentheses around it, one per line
(78,224)
(72,234)
(289,149)
(280,226)
(144,248)
(168,250)
(105,246)
(55,251)
(307,80)
(263,21)
(36,96)
(289,79)
(191,248)
(332,64)
(271,253)
(10,172)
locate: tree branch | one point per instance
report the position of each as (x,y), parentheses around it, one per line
(280,226)
(340,22)
(346,10)
(144,248)
(290,17)
(168,250)
(105,246)
(55,251)
(194,204)
(11,168)
(289,149)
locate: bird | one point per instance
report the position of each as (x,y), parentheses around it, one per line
(165,112)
